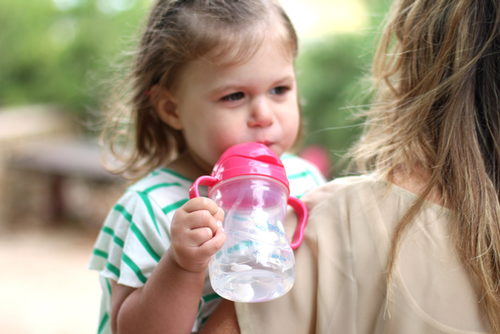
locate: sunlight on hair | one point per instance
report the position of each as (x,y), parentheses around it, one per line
(314,19)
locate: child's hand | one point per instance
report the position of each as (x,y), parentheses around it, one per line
(197,233)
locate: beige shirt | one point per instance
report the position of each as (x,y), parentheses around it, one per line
(340,270)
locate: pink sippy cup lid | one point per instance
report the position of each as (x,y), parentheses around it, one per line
(250,159)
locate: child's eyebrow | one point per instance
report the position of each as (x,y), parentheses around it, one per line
(229,87)
(234,86)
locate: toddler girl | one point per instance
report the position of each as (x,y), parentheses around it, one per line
(209,74)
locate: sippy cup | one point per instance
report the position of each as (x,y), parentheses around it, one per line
(256,263)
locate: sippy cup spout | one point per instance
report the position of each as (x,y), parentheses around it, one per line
(250,159)
(244,160)
(253,159)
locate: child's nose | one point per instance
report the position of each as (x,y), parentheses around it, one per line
(261,114)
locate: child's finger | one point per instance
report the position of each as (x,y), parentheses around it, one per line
(198,219)
(219,216)
(201,203)
(205,218)
(214,224)
(213,245)
(201,235)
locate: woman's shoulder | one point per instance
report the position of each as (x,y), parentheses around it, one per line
(371,188)
(363,198)
(340,187)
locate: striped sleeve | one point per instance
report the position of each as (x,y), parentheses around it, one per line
(134,237)
(136,234)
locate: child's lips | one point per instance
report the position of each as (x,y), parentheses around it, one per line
(267,143)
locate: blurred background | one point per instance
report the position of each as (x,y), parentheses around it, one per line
(56,58)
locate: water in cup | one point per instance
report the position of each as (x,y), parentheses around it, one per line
(253,268)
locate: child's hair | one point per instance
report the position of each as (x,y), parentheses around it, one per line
(177,33)
(437,104)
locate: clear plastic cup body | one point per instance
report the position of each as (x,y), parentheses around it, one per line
(256,263)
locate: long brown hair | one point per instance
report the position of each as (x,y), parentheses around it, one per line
(176,33)
(437,105)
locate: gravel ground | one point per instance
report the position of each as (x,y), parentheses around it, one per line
(45,287)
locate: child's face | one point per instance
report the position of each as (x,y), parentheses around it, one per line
(220,106)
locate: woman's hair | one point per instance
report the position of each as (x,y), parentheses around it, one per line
(437,106)
(177,33)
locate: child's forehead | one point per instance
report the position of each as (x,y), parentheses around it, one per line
(228,48)
(241,53)
(232,67)
(232,46)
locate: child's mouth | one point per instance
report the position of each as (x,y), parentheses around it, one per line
(267,143)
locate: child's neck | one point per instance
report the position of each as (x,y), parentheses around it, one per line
(185,165)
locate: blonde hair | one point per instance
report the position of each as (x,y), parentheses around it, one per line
(179,32)
(437,105)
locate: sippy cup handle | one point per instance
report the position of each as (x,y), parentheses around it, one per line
(301,211)
(202,180)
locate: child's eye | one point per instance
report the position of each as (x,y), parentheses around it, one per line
(279,90)
(234,97)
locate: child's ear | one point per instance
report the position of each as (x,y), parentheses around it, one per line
(166,106)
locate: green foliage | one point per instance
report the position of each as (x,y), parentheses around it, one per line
(47,53)
(331,75)
(328,77)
